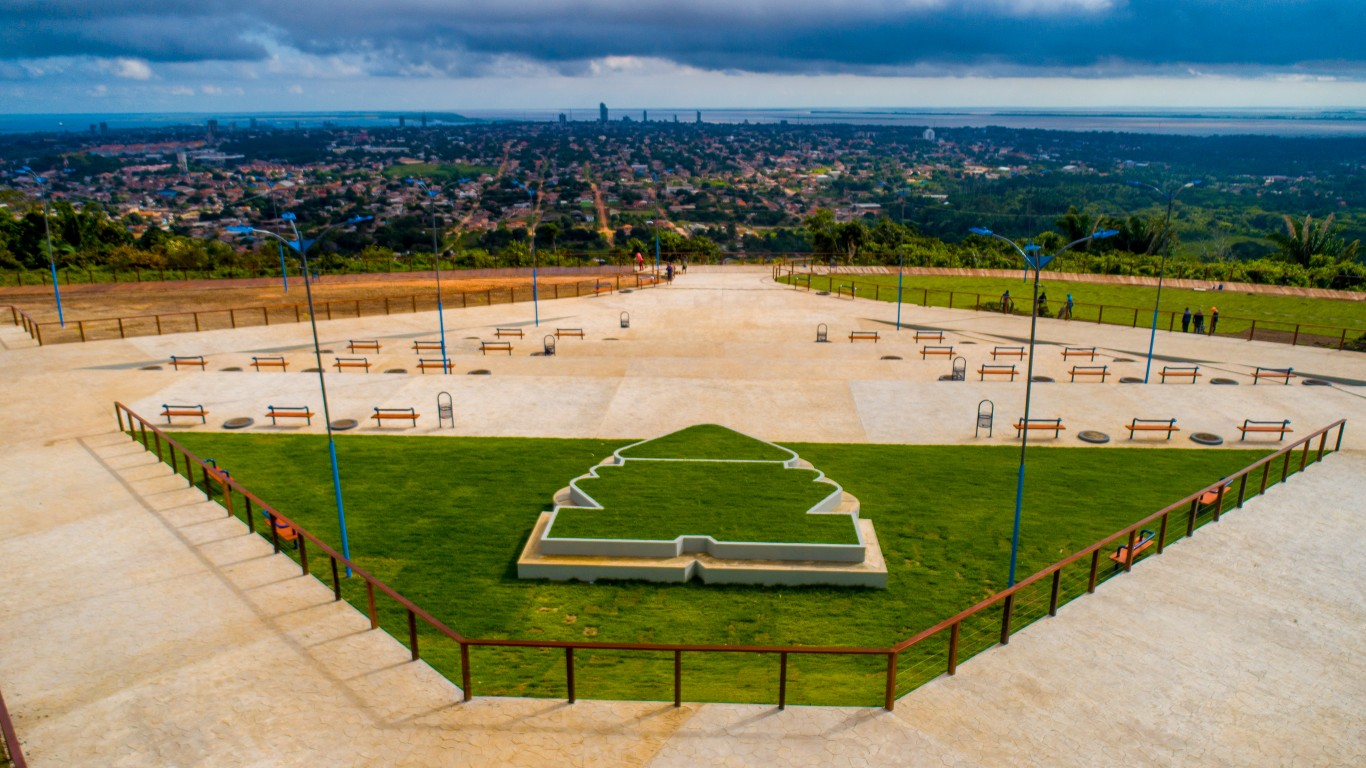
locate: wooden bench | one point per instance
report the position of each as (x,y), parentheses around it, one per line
(1122,555)
(426,346)
(995,370)
(365,345)
(1087,352)
(342,363)
(274,412)
(560,333)
(933,349)
(501,332)
(1007,352)
(1284,374)
(192,411)
(269,361)
(1090,370)
(1152,425)
(424,363)
(929,335)
(281,529)
(1279,427)
(383,414)
(1053,424)
(1189,371)
(863,336)
(179,360)
(604,287)
(486,347)
(1210,498)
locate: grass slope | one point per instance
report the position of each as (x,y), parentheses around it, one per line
(729,501)
(1236,310)
(706,441)
(443,520)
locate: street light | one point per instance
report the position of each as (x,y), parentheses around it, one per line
(1034,259)
(535,294)
(301,246)
(1170,196)
(440,310)
(47,227)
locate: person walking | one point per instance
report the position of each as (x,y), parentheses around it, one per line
(1042,305)
(1199,320)
(669,273)
(1005,302)
(1186,321)
(1067,308)
(640,261)
(1213,319)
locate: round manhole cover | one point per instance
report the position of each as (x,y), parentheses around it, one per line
(967,342)
(1224,382)
(344,424)
(232,368)
(626,290)
(947,377)
(822,293)
(1092,436)
(325,351)
(1130,380)
(312,370)
(1043,379)
(1123,360)
(1316,383)
(150,368)
(474,338)
(480,372)
(397,370)
(891,357)
(611,338)
(241,422)
(1206,438)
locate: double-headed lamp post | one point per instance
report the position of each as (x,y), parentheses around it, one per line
(436,258)
(1035,259)
(47,228)
(1170,196)
(301,246)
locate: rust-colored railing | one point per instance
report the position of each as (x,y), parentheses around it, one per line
(21,318)
(244,317)
(1010,602)
(1251,329)
(9,740)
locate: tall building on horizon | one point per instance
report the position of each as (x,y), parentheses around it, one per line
(699,116)
(602,112)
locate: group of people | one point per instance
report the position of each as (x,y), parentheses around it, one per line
(668,267)
(1063,314)
(1199,320)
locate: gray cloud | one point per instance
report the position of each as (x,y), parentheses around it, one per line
(930,37)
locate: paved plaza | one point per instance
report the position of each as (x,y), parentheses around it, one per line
(141,626)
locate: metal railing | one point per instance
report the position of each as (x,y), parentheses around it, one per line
(245,317)
(969,632)
(22,319)
(1252,329)
(11,754)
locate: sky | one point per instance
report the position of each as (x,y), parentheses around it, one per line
(110,56)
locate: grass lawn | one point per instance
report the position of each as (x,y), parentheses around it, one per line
(443,520)
(729,501)
(1236,310)
(706,441)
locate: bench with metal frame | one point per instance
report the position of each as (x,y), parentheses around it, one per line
(420,346)
(936,349)
(179,360)
(270,361)
(190,411)
(1278,427)
(1087,352)
(342,363)
(863,336)
(365,345)
(561,333)
(385,414)
(929,335)
(996,370)
(445,366)
(1284,374)
(1188,371)
(1089,370)
(1018,352)
(274,412)
(517,332)
(1152,425)
(486,347)
(1054,424)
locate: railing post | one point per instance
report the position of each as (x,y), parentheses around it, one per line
(1219,501)
(1266,470)
(1100,315)
(370,604)
(336,580)
(118,413)
(80,326)
(782,680)
(953,647)
(889,699)
(465,671)
(227,494)
(1006,610)
(1242,489)
(1323,440)
(1295,340)
(1162,534)
(1285,467)
(1252,331)
(1304,456)
(569,671)
(251,518)
(678,678)
(1053,593)
(303,550)
(157,437)
(1190,519)
(1341,428)
(1091,580)
(208,489)
(412,634)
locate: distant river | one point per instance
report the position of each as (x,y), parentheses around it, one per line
(1342,123)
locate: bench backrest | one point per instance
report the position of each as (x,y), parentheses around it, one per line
(287,408)
(405,411)
(1138,421)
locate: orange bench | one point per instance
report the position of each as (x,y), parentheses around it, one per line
(1152,425)
(368,345)
(426,346)
(1090,370)
(383,414)
(179,360)
(273,361)
(1087,352)
(563,332)
(1190,371)
(1122,555)
(501,332)
(929,335)
(1279,427)
(1007,352)
(274,412)
(486,347)
(1053,424)
(342,363)
(281,529)
(605,287)
(931,349)
(192,411)
(996,370)
(863,336)
(1284,374)
(424,363)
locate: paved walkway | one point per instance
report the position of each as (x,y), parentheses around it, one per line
(140,626)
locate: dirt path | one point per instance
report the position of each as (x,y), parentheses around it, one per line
(603,227)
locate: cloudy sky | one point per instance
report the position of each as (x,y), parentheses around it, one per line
(266,55)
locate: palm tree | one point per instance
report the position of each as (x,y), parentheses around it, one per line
(1301,243)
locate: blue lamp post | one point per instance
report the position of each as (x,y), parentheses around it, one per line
(301,246)
(1170,196)
(436,256)
(1035,259)
(47,228)
(535,293)
(275,207)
